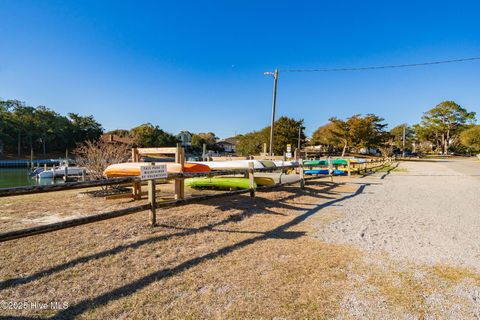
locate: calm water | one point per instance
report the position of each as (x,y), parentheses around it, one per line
(17,177)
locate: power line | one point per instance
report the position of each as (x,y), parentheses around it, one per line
(383,67)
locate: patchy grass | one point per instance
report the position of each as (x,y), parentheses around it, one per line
(455,274)
(225,258)
(390,168)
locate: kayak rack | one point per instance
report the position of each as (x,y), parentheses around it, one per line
(152,204)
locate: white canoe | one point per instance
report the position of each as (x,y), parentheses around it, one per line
(230,165)
(281,163)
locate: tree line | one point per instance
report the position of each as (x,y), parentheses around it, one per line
(24,129)
(445,128)
(149,135)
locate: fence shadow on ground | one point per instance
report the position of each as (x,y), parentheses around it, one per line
(262,206)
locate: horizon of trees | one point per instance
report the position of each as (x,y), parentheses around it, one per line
(446,127)
(24,129)
(286,131)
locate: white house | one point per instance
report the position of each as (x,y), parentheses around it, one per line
(185,138)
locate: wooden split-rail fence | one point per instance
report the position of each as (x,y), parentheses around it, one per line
(152,204)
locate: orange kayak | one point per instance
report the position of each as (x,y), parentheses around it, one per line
(131,169)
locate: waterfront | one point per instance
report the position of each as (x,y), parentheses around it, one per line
(17,177)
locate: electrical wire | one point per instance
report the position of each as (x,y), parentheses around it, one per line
(382,67)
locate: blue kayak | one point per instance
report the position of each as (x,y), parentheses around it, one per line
(336,172)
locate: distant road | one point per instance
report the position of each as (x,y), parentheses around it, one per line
(467,166)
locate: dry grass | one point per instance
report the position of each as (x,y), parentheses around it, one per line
(225,258)
(37,209)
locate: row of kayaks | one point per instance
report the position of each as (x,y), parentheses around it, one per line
(130,169)
(335,162)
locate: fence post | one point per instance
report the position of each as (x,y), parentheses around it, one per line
(302,175)
(137,186)
(251,179)
(330,169)
(180,183)
(152,202)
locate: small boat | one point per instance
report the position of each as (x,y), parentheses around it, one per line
(227,183)
(57,172)
(281,163)
(264,181)
(218,183)
(35,172)
(234,164)
(132,169)
(336,172)
(316,163)
(335,162)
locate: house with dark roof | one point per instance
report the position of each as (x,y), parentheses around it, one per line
(229,144)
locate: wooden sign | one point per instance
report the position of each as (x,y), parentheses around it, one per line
(151,172)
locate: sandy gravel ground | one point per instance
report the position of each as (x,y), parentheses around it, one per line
(287,254)
(424,212)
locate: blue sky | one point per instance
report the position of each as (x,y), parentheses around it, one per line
(198,65)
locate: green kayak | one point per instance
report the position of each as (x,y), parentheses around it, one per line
(335,162)
(316,163)
(218,183)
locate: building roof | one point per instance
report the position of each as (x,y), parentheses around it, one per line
(231,140)
(225,142)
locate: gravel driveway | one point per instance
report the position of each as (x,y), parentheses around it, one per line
(423,212)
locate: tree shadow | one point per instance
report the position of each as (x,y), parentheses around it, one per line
(390,169)
(262,207)
(237,202)
(128,289)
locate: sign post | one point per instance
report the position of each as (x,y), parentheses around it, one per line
(289,151)
(150,173)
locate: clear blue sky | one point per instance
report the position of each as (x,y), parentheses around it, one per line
(198,65)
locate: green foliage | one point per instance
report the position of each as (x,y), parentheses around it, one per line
(443,124)
(251,143)
(325,136)
(24,127)
(209,138)
(285,131)
(84,128)
(470,138)
(397,136)
(357,131)
(148,135)
(122,133)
